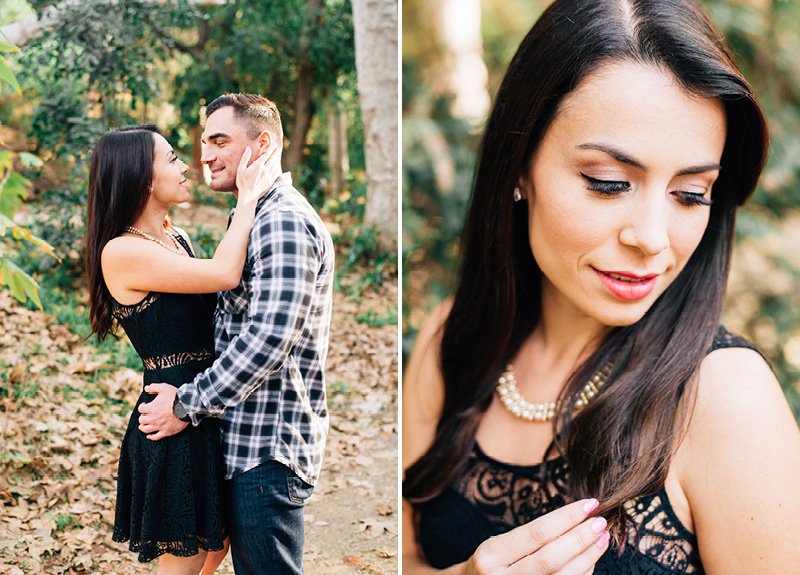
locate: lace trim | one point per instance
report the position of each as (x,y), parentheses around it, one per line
(659,535)
(512,495)
(188,547)
(121,310)
(176,359)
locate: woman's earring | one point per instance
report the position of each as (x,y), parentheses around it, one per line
(517,194)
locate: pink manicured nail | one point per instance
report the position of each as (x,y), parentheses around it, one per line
(598,524)
(590,505)
(602,541)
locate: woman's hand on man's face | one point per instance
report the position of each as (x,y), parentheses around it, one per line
(565,541)
(255,180)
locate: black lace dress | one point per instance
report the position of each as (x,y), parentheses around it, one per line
(168,491)
(492,497)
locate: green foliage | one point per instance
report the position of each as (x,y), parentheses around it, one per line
(13,189)
(64,520)
(13,11)
(374,319)
(362,254)
(256,47)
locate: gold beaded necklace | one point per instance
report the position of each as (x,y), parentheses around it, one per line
(545,411)
(178,249)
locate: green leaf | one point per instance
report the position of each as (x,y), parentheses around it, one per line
(12,191)
(5,161)
(7,76)
(20,284)
(29,160)
(22,233)
(6,47)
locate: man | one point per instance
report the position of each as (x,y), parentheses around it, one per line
(267,384)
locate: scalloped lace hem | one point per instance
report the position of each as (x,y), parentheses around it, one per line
(187,547)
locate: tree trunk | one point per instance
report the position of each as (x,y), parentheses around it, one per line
(343,152)
(304,82)
(465,74)
(375,25)
(334,152)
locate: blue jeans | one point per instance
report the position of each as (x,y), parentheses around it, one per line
(265,520)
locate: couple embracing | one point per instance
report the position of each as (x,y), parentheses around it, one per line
(227,437)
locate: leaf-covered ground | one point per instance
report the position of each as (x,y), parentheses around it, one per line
(64,409)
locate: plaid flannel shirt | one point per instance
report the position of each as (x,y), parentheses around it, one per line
(271,334)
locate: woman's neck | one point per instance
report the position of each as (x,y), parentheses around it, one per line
(564,337)
(152,221)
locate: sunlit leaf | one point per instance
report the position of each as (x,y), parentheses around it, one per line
(5,160)
(30,160)
(6,47)
(19,283)
(12,191)
(7,76)
(22,233)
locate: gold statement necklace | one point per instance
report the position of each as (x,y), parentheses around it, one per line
(177,249)
(545,411)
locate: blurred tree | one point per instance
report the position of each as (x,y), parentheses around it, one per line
(376,60)
(293,52)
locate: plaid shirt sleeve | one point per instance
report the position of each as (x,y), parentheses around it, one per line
(284,269)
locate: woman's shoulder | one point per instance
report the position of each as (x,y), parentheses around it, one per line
(740,458)
(423,386)
(739,404)
(735,376)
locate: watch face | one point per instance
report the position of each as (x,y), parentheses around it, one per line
(179,410)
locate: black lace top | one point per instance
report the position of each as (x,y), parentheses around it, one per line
(168,491)
(492,497)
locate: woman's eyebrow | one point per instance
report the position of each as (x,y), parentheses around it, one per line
(614,153)
(626,159)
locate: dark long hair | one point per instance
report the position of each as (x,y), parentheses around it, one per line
(119,185)
(621,445)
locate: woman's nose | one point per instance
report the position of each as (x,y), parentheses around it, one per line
(647,225)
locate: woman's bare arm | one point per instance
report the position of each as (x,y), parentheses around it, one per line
(136,264)
(741,466)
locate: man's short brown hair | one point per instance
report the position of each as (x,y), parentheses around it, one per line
(257,113)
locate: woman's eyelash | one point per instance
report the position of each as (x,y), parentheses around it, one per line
(606,186)
(690,199)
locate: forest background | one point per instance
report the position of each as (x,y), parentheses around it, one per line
(454,56)
(69,71)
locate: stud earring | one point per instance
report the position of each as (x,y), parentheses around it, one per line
(517,194)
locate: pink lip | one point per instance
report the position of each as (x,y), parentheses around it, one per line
(640,287)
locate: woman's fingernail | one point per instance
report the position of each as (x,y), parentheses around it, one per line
(598,524)
(602,541)
(590,505)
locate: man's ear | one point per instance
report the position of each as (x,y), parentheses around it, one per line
(264,142)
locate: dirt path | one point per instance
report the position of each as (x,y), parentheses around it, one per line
(63,411)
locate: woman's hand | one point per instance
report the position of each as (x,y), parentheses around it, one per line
(256,179)
(564,542)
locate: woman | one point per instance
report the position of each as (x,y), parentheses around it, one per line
(594,263)
(143,276)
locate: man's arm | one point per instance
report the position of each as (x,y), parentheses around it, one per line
(281,291)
